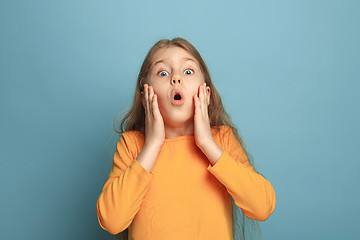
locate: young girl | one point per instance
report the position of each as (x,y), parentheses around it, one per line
(180,170)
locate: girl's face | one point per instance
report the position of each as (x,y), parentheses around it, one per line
(175,71)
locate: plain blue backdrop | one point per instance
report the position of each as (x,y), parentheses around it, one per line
(287,71)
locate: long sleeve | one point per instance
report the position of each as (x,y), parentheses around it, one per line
(124,190)
(250,191)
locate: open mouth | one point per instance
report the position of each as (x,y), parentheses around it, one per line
(177,98)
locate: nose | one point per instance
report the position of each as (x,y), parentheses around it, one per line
(176,79)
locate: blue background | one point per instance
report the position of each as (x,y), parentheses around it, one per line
(287,71)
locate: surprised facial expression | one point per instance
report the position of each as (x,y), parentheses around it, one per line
(175,76)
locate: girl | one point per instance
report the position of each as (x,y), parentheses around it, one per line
(180,170)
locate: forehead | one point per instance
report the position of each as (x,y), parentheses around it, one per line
(171,55)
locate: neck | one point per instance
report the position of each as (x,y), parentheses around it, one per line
(173,131)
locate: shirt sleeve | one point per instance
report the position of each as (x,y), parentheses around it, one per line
(124,190)
(250,190)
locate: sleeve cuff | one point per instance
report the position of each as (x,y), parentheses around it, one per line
(226,164)
(219,164)
(140,170)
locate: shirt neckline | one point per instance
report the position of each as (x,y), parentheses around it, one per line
(179,138)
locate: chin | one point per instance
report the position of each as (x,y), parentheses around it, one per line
(179,115)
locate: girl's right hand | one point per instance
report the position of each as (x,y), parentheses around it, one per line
(154,123)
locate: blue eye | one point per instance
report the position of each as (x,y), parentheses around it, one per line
(188,71)
(163,73)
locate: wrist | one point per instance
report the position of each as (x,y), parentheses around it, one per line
(212,151)
(153,146)
(206,144)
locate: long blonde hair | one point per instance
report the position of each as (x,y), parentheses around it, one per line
(134,119)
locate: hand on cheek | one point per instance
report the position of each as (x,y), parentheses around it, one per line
(154,123)
(202,131)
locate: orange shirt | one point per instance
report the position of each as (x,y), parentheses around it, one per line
(184,196)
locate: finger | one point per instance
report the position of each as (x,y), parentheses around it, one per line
(197,103)
(146,97)
(207,99)
(154,102)
(208,90)
(199,95)
(151,96)
(149,103)
(155,107)
(202,98)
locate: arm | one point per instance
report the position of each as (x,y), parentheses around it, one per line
(129,178)
(125,188)
(250,191)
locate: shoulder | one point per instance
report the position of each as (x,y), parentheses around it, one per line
(221,134)
(221,130)
(132,140)
(227,138)
(132,135)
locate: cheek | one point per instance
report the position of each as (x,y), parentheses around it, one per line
(196,86)
(161,99)
(158,91)
(196,91)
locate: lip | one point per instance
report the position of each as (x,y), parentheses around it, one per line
(177,102)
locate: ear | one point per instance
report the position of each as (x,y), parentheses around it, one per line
(208,95)
(142,98)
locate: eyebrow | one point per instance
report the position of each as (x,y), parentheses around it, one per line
(187,59)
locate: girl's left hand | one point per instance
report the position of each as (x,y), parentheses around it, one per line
(202,131)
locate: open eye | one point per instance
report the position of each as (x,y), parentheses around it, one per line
(188,71)
(163,73)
